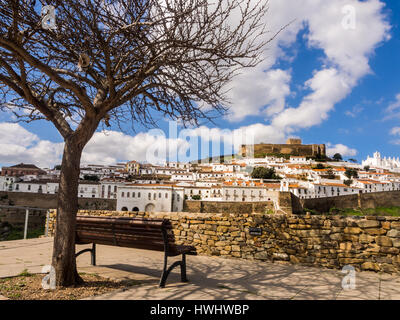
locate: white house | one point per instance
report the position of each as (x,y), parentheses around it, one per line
(89,189)
(299,160)
(150,198)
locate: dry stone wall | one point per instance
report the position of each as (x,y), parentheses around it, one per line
(364,200)
(49,201)
(366,243)
(198,206)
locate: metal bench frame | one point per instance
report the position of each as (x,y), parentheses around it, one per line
(165,272)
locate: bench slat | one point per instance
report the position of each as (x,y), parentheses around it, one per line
(120,228)
(111,228)
(122,220)
(118,237)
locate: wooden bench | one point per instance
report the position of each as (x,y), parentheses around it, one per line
(140,233)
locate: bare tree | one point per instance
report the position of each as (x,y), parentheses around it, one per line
(119,61)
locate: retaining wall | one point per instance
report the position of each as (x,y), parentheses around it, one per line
(366,243)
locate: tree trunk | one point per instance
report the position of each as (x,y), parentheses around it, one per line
(63,259)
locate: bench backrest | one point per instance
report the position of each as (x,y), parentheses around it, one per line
(141,233)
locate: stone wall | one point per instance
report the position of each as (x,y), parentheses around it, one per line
(363,200)
(311,150)
(49,201)
(227,206)
(16,217)
(366,243)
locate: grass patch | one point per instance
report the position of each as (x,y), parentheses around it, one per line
(25,273)
(17,233)
(379,211)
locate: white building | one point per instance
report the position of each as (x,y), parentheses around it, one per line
(249,191)
(299,160)
(150,198)
(383,163)
(89,189)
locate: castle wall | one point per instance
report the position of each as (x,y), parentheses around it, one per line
(289,149)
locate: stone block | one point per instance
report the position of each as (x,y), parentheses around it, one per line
(365,238)
(383,241)
(375,231)
(352,230)
(368,224)
(393,233)
(395,225)
(370,266)
(280,256)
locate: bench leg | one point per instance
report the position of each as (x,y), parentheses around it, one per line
(92,252)
(166,271)
(183,269)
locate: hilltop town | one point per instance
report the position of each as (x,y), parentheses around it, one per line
(163,188)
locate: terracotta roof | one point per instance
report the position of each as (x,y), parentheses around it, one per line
(334,185)
(24,166)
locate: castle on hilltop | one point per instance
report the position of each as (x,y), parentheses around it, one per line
(293,147)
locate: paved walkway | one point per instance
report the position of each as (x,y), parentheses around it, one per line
(210,277)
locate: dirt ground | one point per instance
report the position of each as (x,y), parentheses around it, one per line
(29,287)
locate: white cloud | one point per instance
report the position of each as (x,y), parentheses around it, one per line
(395,131)
(346,54)
(19,145)
(109,147)
(345,151)
(354,112)
(393,110)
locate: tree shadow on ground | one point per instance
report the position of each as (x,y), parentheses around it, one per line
(224,279)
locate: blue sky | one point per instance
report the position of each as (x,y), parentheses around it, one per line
(322,80)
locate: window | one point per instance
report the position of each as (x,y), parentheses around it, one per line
(29,187)
(133,195)
(127,194)
(149,196)
(122,195)
(166,196)
(159,195)
(138,194)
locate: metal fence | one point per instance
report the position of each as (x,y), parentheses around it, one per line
(27,211)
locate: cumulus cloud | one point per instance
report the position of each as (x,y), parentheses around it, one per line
(345,151)
(347,31)
(19,145)
(109,147)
